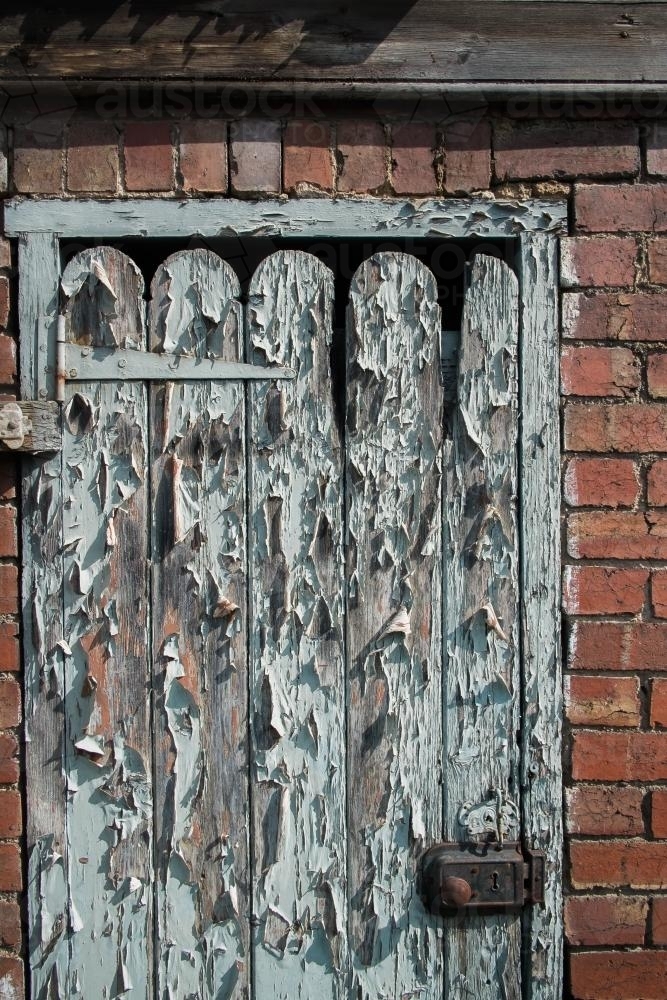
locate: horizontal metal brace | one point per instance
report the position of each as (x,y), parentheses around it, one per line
(105,364)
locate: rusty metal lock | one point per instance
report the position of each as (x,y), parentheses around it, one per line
(488,877)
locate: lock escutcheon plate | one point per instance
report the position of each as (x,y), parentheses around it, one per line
(499,877)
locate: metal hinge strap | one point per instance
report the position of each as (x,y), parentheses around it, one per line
(112,364)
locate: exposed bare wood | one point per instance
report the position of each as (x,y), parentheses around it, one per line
(542,709)
(417,41)
(296,638)
(199,637)
(105,644)
(394,622)
(481,618)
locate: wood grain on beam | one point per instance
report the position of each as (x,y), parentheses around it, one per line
(425,41)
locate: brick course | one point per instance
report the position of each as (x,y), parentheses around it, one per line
(606,920)
(92,158)
(656,150)
(308,158)
(10,924)
(11,879)
(659,702)
(616,975)
(659,920)
(11,978)
(659,813)
(9,590)
(566,150)
(363,157)
(603,590)
(413,159)
(603,482)
(255,157)
(9,647)
(602,646)
(606,756)
(9,765)
(38,162)
(598,261)
(203,157)
(621,208)
(600,371)
(615,316)
(149,158)
(4,302)
(602,701)
(466,146)
(616,427)
(604,810)
(638,864)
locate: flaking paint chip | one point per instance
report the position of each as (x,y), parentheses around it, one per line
(398,623)
(224,608)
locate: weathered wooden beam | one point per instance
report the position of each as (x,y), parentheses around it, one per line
(302,218)
(418,40)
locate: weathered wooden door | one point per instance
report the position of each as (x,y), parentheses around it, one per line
(291,636)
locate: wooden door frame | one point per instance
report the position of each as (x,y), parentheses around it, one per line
(534,224)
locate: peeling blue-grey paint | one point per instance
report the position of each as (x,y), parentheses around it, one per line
(482,619)
(106,648)
(542,708)
(199,637)
(393,484)
(195,744)
(314,218)
(296,638)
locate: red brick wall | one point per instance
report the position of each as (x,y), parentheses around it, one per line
(614,381)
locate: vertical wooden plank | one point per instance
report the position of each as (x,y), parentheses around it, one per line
(540,565)
(482,689)
(296,638)
(394,624)
(199,628)
(106,642)
(42,630)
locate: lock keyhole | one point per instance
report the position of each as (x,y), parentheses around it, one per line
(494,882)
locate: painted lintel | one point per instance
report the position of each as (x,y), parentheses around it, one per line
(315,218)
